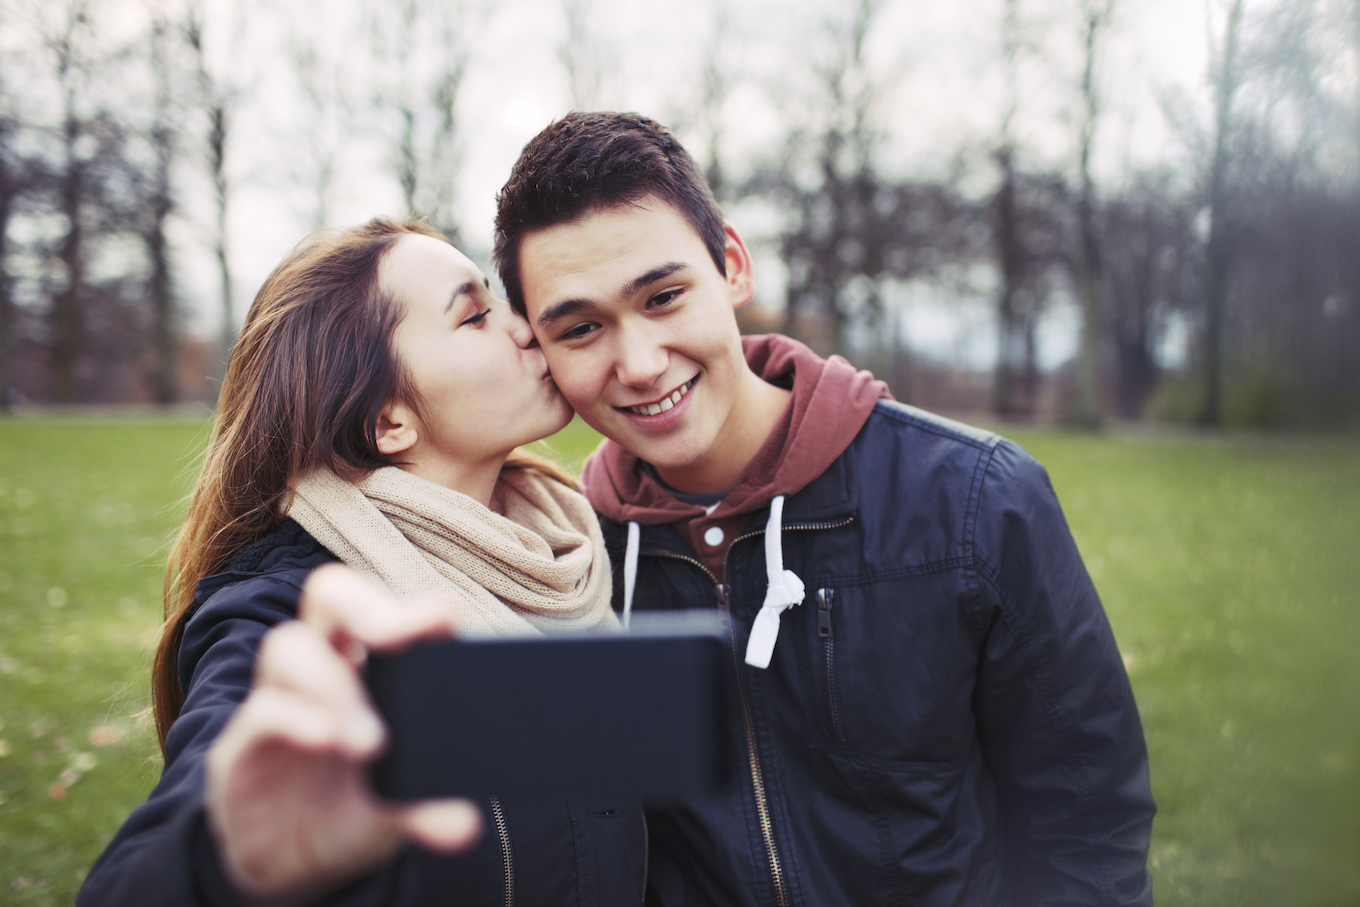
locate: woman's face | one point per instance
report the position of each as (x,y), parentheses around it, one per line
(482,381)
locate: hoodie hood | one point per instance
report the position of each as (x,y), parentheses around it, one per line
(829,404)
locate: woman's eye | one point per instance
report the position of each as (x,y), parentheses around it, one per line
(475,319)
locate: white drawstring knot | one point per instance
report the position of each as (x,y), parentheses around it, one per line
(784,591)
(630,558)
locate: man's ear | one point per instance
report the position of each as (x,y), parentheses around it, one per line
(741,275)
(396,429)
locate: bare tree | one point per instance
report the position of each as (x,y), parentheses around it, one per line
(849,227)
(1227,78)
(715,87)
(11,183)
(579,55)
(1096,15)
(325,126)
(1152,266)
(217,98)
(832,204)
(69,45)
(1006,228)
(425,50)
(158,205)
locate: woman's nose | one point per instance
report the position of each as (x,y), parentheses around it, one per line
(520,332)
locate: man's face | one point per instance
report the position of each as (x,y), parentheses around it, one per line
(638,327)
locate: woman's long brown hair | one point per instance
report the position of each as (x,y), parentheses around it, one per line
(307,381)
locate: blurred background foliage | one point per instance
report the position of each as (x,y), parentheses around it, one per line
(1108,239)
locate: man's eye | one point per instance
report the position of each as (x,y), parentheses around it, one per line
(664,298)
(579,331)
(475,319)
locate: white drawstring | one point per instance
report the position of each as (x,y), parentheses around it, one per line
(630,556)
(785,590)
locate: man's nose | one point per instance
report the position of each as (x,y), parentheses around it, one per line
(641,360)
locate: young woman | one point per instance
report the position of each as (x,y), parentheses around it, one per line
(371,414)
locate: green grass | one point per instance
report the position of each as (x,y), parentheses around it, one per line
(1230,573)
(1229,570)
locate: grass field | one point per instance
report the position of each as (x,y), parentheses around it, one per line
(1230,570)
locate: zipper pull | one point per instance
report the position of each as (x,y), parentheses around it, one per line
(724,593)
(824,597)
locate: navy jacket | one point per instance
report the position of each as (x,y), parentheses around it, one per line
(946,719)
(546,854)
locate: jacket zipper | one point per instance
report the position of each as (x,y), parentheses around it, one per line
(828,638)
(757,776)
(503,831)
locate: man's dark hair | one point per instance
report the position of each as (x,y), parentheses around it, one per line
(588,162)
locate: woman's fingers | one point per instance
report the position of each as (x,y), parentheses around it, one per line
(444,826)
(295,658)
(272,716)
(347,607)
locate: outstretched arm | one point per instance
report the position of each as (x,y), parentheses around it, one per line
(287,797)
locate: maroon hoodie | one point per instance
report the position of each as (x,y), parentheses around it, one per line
(829,405)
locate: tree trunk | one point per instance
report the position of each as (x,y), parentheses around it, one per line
(7,190)
(1006,229)
(1089,282)
(409,167)
(68,316)
(217,158)
(1219,253)
(161,202)
(1008,250)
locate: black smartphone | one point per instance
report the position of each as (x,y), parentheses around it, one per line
(646,714)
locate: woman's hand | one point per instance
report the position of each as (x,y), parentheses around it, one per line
(288,800)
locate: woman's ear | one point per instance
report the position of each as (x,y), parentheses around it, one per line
(396,429)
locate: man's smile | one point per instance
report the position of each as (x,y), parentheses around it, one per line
(665,403)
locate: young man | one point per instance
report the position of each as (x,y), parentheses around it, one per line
(933,707)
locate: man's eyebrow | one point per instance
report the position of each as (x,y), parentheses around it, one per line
(571,306)
(466,289)
(561,310)
(655,274)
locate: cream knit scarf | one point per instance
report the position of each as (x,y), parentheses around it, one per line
(541,565)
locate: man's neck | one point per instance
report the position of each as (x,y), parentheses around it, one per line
(757,411)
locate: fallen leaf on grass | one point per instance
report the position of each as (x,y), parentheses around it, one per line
(107,735)
(2,798)
(4,748)
(80,764)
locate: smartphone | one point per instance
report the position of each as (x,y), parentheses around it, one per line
(647,714)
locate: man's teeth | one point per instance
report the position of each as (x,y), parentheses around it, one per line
(651,409)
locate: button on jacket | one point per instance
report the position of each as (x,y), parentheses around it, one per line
(946,719)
